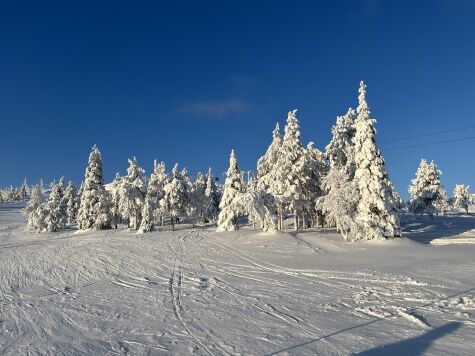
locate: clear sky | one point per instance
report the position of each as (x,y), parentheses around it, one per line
(187,81)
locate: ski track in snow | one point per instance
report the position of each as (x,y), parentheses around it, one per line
(193,291)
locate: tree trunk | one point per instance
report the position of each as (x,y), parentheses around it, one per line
(296,220)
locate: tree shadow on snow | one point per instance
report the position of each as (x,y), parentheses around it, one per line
(413,346)
(421,228)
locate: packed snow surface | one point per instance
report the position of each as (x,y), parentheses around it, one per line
(195,291)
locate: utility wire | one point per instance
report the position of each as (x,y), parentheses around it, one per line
(429,143)
(429,134)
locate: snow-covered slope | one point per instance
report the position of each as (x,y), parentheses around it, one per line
(197,291)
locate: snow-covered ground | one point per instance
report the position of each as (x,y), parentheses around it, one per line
(249,293)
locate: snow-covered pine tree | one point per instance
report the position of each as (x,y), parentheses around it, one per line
(71,202)
(132,194)
(340,151)
(24,190)
(199,197)
(339,203)
(233,186)
(115,190)
(291,175)
(95,205)
(190,207)
(151,209)
(376,214)
(462,196)
(427,193)
(56,213)
(147,224)
(162,178)
(61,187)
(212,198)
(37,218)
(175,200)
(36,198)
(315,170)
(267,164)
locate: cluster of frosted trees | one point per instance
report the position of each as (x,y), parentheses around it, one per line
(138,201)
(348,184)
(11,194)
(145,203)
(60,208)
(428,196)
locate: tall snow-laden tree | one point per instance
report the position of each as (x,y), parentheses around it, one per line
(267,164)
(340,150)
(151,214)
(115,190)
(161,178)
(292,174)
(212,198)
(36,198)
(132,195)
(24,190)
(71,202)
(199,196)
(189,192)
(376,213)
(427,193)
(95,205)
(56,213)
(462,196)
(339,203)
(147,223)
(233,186)
(175,200)
(315,170)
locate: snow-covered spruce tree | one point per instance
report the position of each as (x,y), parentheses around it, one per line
(233,186)
(427,193)
(114,189)
(212,198)
(175,200)
(147,223)
(95,205)
(199,196)
(24,190)
(267,164)
(339,203)
(291,175)
(36,198)
(162,178)
(61,187)
(376,213)
(132,194)
(151,209)
(190,207)
(316,169)
(71,202)
(56,216)
(37,219)
(462,196)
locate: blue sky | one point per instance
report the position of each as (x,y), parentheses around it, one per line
(187,81)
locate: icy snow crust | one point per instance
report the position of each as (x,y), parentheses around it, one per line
(195,291)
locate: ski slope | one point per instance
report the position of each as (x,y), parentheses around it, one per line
(195,291)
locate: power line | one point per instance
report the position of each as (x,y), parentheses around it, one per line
(430,143)
(430,134)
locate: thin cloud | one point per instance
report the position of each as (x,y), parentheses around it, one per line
(214,109)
